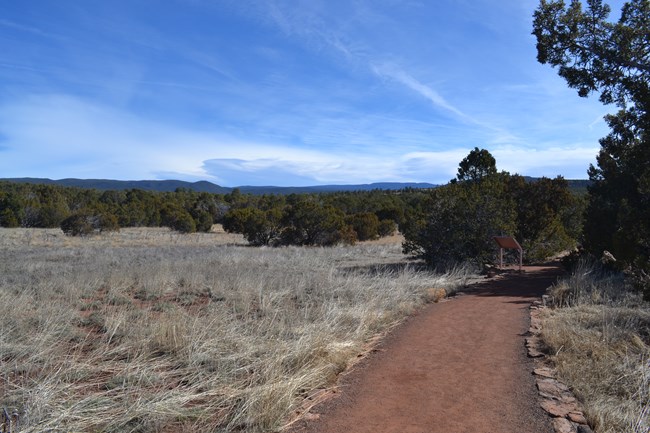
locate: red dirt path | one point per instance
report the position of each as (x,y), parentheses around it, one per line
(457,366)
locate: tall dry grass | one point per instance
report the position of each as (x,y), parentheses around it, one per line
(600,342)
(146,331)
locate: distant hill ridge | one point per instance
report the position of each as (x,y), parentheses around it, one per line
(205,186)
(579,185)
(107,184)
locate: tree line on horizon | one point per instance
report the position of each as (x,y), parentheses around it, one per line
(441,225)
(313,219)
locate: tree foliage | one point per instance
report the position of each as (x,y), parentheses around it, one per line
(306,221)
(457,222)
(315,219)
(86,222)
(365,225)
(478,164)
(259,227)
(549,216)
(472,210)
(387,227)
(595,54)
(176,217)
(10,209)
(41,206)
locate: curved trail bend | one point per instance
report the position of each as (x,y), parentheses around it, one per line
(455,367)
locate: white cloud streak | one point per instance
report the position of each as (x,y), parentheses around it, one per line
(395,73)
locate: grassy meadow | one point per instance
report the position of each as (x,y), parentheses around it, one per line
(599,340)
(146,330)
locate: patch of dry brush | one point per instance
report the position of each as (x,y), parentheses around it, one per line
(152,333)
(600,343)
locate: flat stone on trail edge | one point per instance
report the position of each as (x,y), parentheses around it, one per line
(568,398)
(533,346)
(552,388)
(577,417)
(557,409)
(563,425)
(544,372)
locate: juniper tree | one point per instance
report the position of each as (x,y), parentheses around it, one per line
(596,54)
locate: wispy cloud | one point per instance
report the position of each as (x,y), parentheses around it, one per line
(29,29)
(312,28)
(395,73)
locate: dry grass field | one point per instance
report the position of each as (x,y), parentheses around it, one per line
(599,339)
(145,330)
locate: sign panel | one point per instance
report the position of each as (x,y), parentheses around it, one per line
(509,243)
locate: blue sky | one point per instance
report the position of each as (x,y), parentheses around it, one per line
(283,92)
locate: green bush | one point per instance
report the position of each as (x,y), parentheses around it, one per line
(549,216)
(258,227)
(387,228)
(78,224)
(306,221)
(203,221)
(108,223)
(86,222)
(457,222)
(183,223)
(177,218)
(8,218)
(365,225)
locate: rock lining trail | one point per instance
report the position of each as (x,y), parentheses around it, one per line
(457,366)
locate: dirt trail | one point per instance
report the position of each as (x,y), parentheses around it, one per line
(457,366)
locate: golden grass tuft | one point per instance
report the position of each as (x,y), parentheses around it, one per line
(436,294)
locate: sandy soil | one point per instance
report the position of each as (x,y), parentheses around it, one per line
(457,366)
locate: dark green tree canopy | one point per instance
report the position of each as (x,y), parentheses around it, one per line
(595,54)
(477,165)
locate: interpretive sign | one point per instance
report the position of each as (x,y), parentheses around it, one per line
(508,243)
